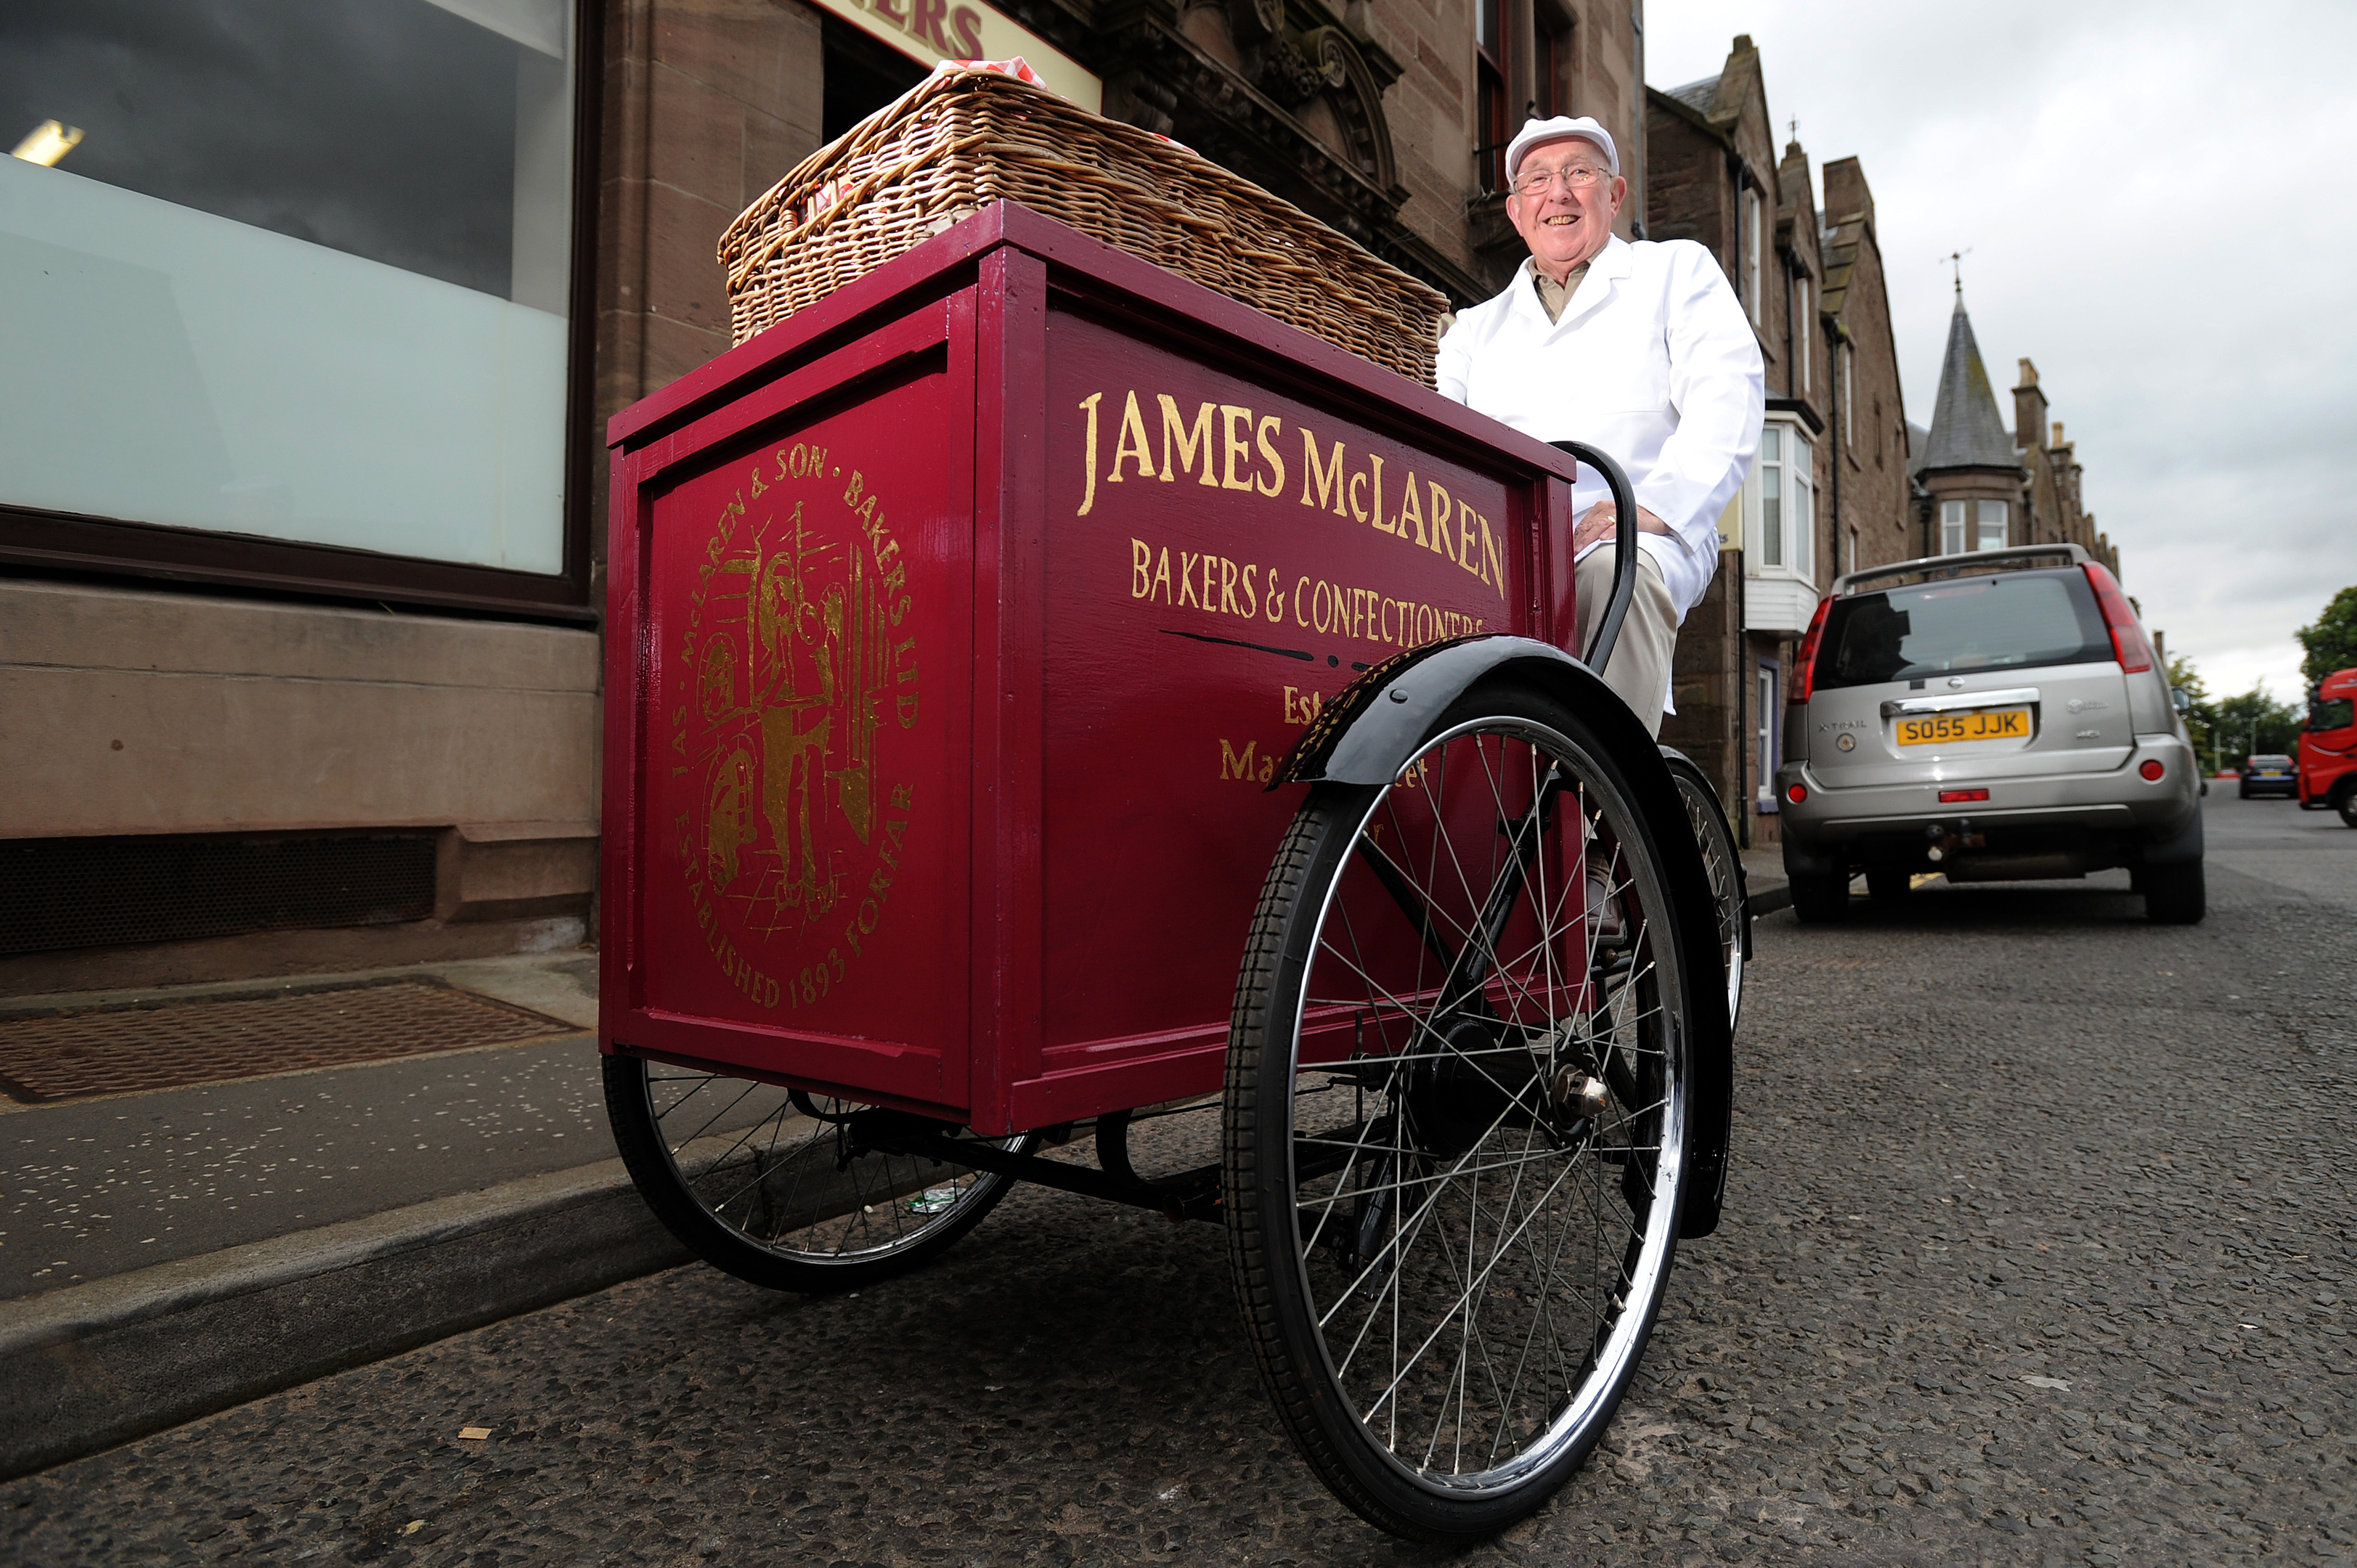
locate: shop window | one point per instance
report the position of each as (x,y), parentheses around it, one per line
(306,277)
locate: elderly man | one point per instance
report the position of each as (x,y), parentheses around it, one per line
(1640,350)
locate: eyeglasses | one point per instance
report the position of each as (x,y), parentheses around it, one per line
(1575,177)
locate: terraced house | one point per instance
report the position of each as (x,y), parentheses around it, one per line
(1829,490)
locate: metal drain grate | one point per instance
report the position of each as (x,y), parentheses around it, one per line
(113,1050)
(112,892)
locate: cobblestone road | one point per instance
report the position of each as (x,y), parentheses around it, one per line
(2039,1251)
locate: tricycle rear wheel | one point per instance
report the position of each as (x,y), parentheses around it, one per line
(778,1193)
(1723,864)
(1457,1096)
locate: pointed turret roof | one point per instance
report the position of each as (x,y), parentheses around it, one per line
(1967,432)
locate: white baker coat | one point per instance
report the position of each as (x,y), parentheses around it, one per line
(1653,362)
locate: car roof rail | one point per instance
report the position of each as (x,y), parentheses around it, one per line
(1932,568)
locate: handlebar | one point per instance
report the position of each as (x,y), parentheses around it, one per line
(1598,652)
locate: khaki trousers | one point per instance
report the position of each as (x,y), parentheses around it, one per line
(1640,668)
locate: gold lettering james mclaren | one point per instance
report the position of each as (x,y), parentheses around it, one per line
(1225,446)
(792,661)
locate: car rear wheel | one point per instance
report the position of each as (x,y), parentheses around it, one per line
(1820,899)
(2174,894)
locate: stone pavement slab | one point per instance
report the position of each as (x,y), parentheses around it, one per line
(98,1187)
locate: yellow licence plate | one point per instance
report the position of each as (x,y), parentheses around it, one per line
(1984,723)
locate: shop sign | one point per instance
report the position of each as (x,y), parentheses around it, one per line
(932,31)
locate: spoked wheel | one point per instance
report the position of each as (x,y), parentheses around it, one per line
(1458,1085)
(1723,864)
(770,1185)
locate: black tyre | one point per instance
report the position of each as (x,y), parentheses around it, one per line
(2346,804)
(1820,899)
(2174,894)
(1458,1086)
(773,1190)
(1723,864)
(1887,885)
(2243,792)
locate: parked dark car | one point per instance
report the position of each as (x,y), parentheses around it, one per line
(2269,774)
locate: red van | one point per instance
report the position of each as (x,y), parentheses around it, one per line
(2328,747)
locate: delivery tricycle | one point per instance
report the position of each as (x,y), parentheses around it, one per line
(1044,695)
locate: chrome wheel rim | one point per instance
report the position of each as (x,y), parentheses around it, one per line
(784,1178)
(1486,1317)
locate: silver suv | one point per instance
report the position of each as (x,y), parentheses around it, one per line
(1991,716)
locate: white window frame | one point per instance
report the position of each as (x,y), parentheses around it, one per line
(1801,328)
(1753,294)
(1849,402)
(1791,485)
(2000,513)
(1954,537)
(1768,692)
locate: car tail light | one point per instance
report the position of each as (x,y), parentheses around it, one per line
(1959,797)
(1796,793)
(2129,644)
(2152,770)
(1805,667)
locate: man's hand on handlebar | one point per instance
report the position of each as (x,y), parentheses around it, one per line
(1599,523)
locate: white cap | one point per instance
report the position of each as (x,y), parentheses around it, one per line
(1533,132)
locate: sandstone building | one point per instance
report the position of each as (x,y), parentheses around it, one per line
(301,484)
(1829,490)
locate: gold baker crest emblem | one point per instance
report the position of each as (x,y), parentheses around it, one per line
(795,663)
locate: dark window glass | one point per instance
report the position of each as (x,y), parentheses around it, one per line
(862,76)
(2333,714)
(381,128)
(1555,69)
(1490,115)
(304,275)
(2010,620)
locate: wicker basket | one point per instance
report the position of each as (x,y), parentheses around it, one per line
(962,139)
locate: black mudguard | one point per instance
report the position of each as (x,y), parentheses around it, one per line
(1366,734)
(2178,847)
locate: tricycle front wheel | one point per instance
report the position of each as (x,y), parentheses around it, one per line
(1457,1096)
(772,1187)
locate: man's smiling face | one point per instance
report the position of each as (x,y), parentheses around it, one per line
(1564,224)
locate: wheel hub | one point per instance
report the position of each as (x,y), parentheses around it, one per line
(1479,1076)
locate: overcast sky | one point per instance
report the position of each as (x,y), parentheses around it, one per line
(2160,204)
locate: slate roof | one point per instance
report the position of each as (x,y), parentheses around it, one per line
(1967,432)
(1697,96)
(1837,244)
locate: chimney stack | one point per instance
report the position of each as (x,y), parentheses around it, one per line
(2028,407)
